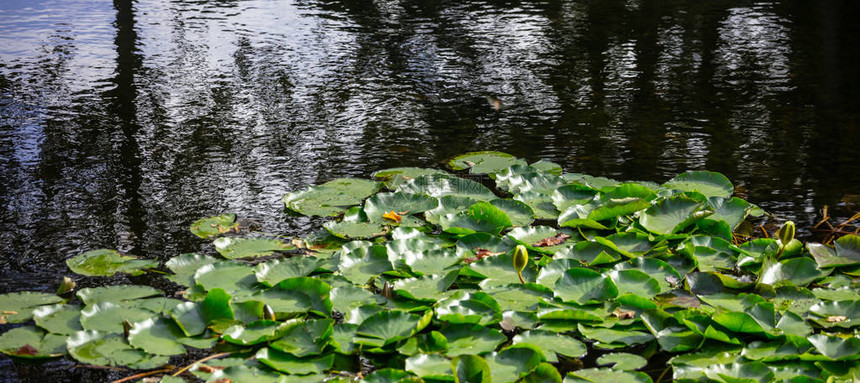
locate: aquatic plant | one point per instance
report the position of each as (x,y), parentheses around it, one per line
(505,271)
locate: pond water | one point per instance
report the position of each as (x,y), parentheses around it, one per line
(122,122)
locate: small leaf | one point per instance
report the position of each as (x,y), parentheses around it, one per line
(106,263)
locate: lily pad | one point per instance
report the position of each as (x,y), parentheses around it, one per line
(58,319)
(359,261)
(396,176)
(585,286)
(330,198)
(297,295)
(106,263)
(290,364)
(513,362)
(234,278)
(108,317)
(464,307)
(551,344)
(480,217)
(214,226)
(710,184)
(392,326)
(540,203)
(671,215)
(18,307)
(101,349)
(184,267)
(606,375)
(401,203)
(622,361)
(305,338)
(845,314)
(232,248)
(473,339)
(440,186)
(118,293)
(156,336)
(486,162)
(32,343)
(430,366)
(255,332)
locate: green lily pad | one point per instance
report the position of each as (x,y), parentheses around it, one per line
(297,295)
(400,203)
(584,286)
(845,314)
(518,212)
(531,237)
(32,343)
(305,338)
(106,263)
(425,288)
(214,226)
(471,369)
(513,362)
(277,270)
(58,319)
(486,162)
(157,336)
(449,204)
(710,184)
(101,349)
(359,261)
(836,348)
(572,195)
(540,203)
(432,262)
(234,278)
(606,375)
(116,294)
(671,215)
(794,271)
(499,270)
(665,274)
(731,211)
(464,307)
(396,176)
(430,366)
(108,317)
(446,185)
(392,326)
(18,307)
(466,338)
(255,332)
(740,372)
(480,217)
(290,364)
(636,282)
(623,361)
(330,198)
(609,336)
(551,344)
(233,248)
(184,267)
(356,230)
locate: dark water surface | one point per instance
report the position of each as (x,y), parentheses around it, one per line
(122,122)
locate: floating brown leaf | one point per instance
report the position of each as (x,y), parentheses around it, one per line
(836,318)
(557,239)
(624,314)
(27,350)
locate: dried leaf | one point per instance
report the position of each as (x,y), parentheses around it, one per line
(27,350)
(557,239)
(836,318)
(624,314)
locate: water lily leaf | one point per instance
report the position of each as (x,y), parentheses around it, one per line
(214,226)
(184,267)
(432,262)
(518,212)
(584,286)
(330,198)
(392,326)
(290,364)
(156,336)
(296,295)
(513,362)
(671,215)
(606,375)
(305,338)
(255,332)
(794,271)
(572,195)
(119,293)
(355,230)
(836,348)
(236,279)
(485,243)
(390,375)
(731,211)
(623,361)
(232,248)
(251,374)
(464,307)
(533,235)
(344,298)
(342,338)
(590,253)
(666,275)
(540,203)
(108,317)
(480,217)
(519,297)
(466,338)
(359,261)
(740,372)
(102,349)
(106,263)
(486,162)
(425,288)
(499,270)
(18,307)
(636,282)
(609,336)
(845,314)
(671,336)
(29,342)
(773,351)
(848,246)
(471,369)
(630,244)
(395,176)
(449,204)
(543,373)
(401,203)
(446,185)
(276,270)
(710,184)
(551,344)
(58,319)
(615,207)
(430,366)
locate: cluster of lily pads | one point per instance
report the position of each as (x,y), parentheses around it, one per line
(501,272)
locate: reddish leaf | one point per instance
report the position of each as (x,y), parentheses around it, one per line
(557,239)
(27,350)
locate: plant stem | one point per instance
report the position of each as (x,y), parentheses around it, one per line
(210,357)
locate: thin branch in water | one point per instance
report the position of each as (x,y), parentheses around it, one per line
(210,357)
(143,375)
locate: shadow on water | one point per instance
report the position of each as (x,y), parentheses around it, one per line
(122,123)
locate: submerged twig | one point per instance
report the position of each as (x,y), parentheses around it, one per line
(143,375)
(210,357)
